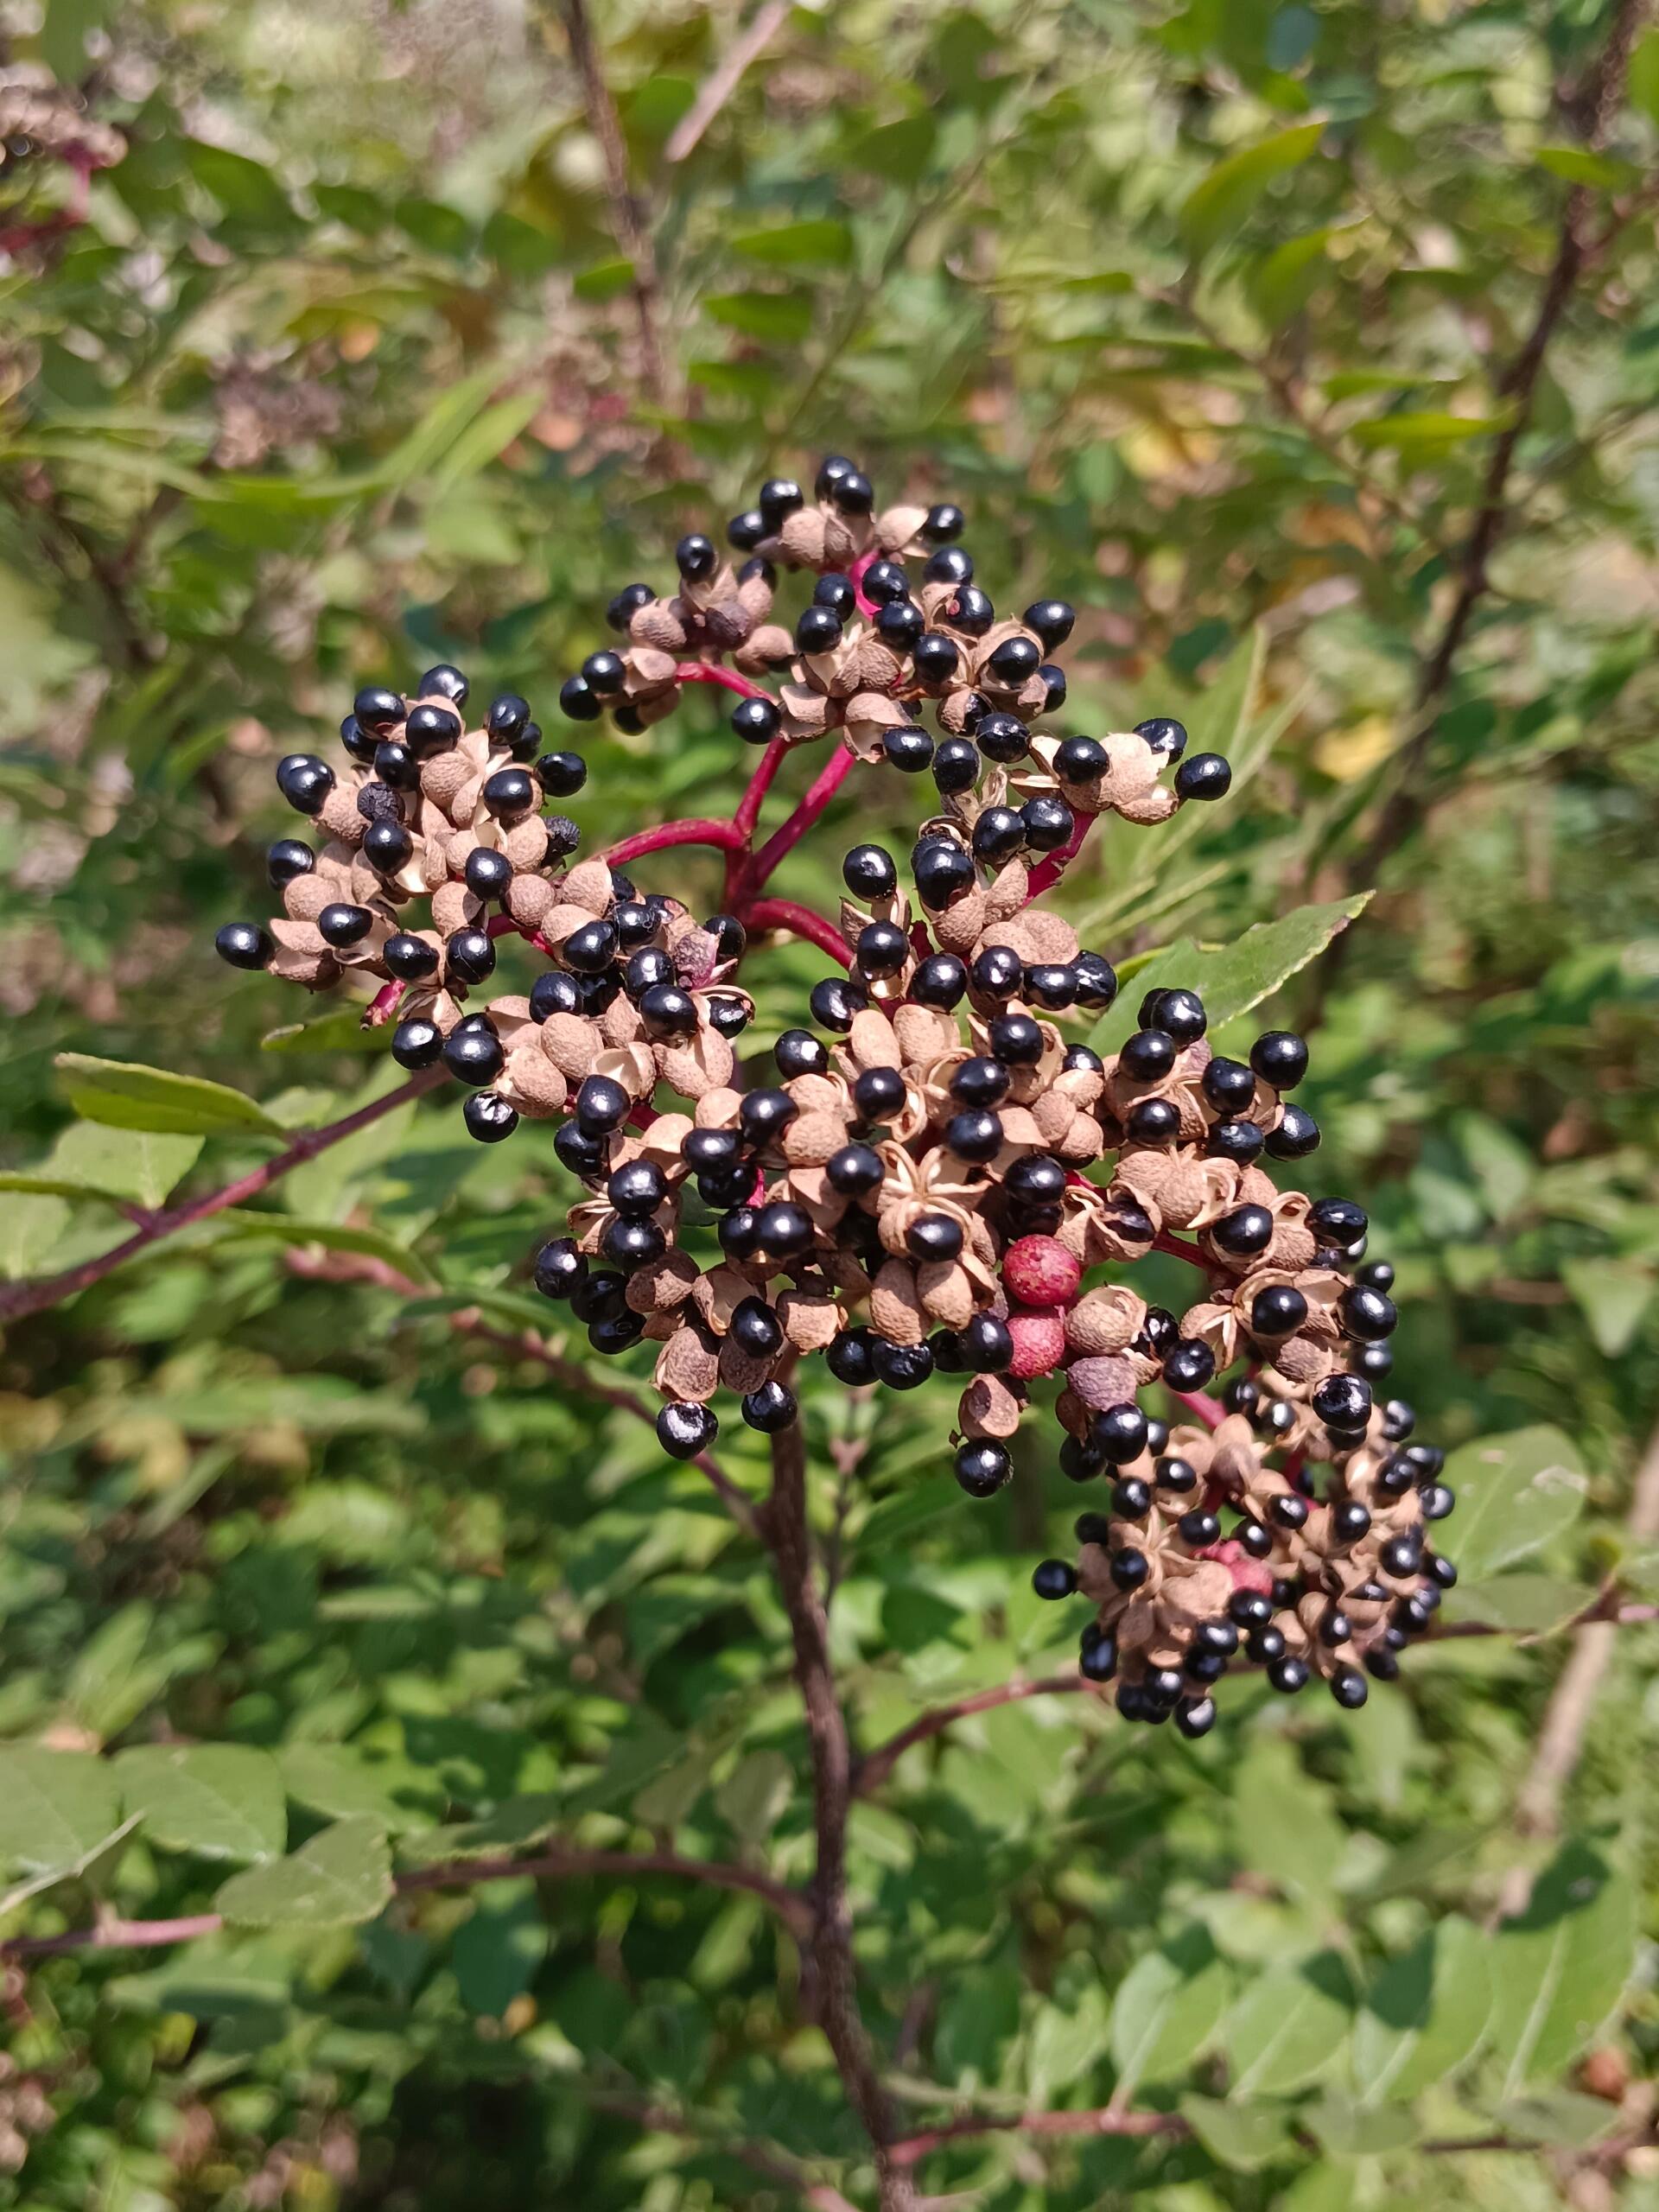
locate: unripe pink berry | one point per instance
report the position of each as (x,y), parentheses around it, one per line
(1039,1338)
(1039,1271)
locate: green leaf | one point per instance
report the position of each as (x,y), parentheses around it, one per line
(782,318)
(332,1236)
(1244,2137)
(1565,2119)
(1286,1831)
(1283,280)
(1642,80)
(1519,1604)
(1064,2044)
(1425,431)
(1222,201)
(1289,2027)
(339,1030)
(55,1807)
(1578,165)
(1425,2014)
(1515,1493)
(1613,1296)
(498,1950)
(133,1166)
(819,240)
(111,1683)
(1167,2009)
(898,151)
(604,280)
(342,1877)
(223,1801)
(755,1793)
(1559,1968)
(1232,978)
(125,1095)
(346,1783)
(241,186)
(1346,2130)
(31,1229)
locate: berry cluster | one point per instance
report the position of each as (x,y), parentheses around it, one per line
(934,1177)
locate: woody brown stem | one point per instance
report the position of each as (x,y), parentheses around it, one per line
(783,1527)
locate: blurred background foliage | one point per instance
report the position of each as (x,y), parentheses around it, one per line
(1207,311)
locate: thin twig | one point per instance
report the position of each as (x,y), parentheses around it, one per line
(759,914)
(113,1934)
(33,1296)
(627,220)
(724,80)
(876,1766)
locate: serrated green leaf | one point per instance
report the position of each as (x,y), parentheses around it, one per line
(129,1167)
(1425,2014)
(55,1807)
(1559,1968)
(1167,2009)
(1223,199)
(1232,978)
(340,1879)
(223,1801)
(1290,2026)
(1515,1493)
(125,1095)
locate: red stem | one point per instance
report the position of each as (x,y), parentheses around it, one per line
(800,921)
(1202,1406)
(748,807)
(383,1005)
(784,839)
(1048,872)
(726,836)
(703,672)
(856,575)
(1163,1242)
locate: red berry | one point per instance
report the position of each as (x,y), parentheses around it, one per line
(1039,1271)
(1039,1338)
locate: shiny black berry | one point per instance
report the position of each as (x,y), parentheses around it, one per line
(244,944)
